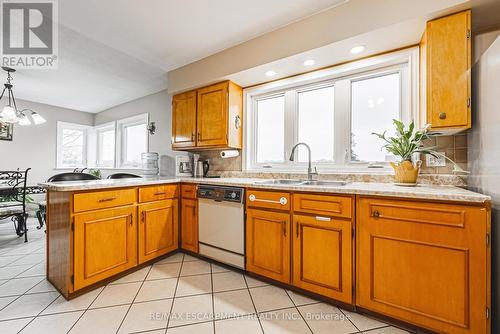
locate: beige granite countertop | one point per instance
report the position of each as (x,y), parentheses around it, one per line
(421,191)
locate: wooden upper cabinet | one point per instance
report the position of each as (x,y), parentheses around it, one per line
(158,229)
(446,73)
(105,244)
(210,117)
(184,120)
(268,244)
(424,263)
(322,256)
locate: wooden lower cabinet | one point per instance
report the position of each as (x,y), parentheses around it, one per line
(322,256)
(424,263)
(268,244)
(189,224)
(158,229)
(105,244)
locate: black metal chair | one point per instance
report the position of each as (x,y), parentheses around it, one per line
(123,176)
(41,213)
(72,176)
(13,199)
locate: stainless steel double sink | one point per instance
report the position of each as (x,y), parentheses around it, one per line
(302,182)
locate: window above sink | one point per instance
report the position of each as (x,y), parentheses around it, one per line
(334,111)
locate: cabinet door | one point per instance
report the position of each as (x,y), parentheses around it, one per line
(322,256)
(448,71)
(158,229)
(189,224)
(268,244)
(105,244)
(424,263)
(212,115)
(184,120)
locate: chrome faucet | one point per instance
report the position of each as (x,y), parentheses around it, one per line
(310,171)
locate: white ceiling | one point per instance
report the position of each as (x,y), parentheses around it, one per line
(115,51)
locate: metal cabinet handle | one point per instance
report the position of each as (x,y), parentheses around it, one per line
(376,214)
(160,193)
(130,219)
(106,199)
(282,200)
(143,216)
(442,115)
(237,122)
(323,219)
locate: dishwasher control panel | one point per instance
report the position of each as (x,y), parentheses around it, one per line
(218,193)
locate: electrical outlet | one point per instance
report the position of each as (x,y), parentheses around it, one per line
(431,161)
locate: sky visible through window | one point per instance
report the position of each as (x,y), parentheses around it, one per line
(375,103)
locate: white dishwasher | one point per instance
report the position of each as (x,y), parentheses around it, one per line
(221,220)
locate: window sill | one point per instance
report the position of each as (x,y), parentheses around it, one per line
(364,170)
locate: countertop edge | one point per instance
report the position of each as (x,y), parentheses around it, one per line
(442,193)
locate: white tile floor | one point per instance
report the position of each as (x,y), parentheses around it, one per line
(177,295)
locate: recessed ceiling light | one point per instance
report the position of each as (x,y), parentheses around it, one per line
(357,49)
(309,62)
(270,73)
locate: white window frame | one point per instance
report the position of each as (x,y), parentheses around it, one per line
(66,125)
(341,77)
(121,140)
(101,128)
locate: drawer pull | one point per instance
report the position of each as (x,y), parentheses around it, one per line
(130,219)
(281,201)
(323,219)
(109,199)
(160,193)
(376,214)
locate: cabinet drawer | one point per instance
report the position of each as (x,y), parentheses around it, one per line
(268,199)
(416,212)
(103,199)
(188,191)
(157,192)
(336,206)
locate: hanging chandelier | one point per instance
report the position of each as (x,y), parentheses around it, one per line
(10,113)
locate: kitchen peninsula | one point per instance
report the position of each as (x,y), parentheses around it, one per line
(358,244)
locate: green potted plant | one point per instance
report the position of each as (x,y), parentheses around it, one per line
(96,172)
(404,145)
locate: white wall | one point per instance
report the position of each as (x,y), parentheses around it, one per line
(35,146)
(159,107)
(484,148)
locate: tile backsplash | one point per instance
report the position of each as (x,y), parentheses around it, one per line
(455,147)
(218,164)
